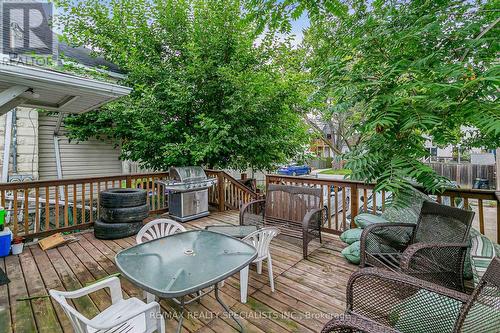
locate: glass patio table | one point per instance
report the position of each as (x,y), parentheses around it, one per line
(237,231)
(186,263)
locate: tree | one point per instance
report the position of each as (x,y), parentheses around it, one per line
(414,69)
(205,90)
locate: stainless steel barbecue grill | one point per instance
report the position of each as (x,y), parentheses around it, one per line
(188,193)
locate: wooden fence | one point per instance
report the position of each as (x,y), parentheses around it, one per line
(464,174)
(345,199)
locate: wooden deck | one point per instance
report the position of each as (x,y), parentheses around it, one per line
(308,292)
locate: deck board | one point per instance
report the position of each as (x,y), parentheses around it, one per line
(308,292)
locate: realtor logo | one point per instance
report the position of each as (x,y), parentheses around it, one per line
(26,28)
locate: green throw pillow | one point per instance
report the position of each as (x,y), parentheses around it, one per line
(352,253)
(351,235)
(393,237)
(365,219)
(425,312)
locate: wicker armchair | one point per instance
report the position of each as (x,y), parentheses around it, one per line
(383,301)
(433,249)
(296,210)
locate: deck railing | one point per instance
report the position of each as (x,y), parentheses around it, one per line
(39,208)
(229,193)
(349,198)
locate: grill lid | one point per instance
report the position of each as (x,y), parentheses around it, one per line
(188,174)
(187,179)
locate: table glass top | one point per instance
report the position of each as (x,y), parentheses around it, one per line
(185,262)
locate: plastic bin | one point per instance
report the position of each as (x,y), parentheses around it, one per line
(5,241)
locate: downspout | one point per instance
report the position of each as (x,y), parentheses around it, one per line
(14,140)
(497,153)
(6,150)
(56,146)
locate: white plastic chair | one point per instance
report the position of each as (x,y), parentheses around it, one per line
(124,315)
(153,230)
(260,239)
(157,229)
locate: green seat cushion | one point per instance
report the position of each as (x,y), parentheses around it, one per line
(468,266)
(467,262)
(352,253)
(351,235)
(482,252)
(365,219)
(425,312)
(484,316)
(497,249)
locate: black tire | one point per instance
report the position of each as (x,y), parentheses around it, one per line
(124,215)
(104,230)
(122,197)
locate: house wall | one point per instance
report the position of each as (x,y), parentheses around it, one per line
(78,159)
(27,143)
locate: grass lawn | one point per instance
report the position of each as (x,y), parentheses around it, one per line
(336,172)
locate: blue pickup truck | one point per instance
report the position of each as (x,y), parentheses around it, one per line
(294,170)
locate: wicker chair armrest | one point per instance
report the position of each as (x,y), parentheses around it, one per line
(373,235)
(348,323)
(413,250)
(381,285)
(309,218)
(246,208)
(441,263)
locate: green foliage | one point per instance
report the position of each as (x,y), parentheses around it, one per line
(205,92)
(412,69)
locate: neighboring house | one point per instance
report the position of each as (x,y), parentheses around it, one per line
(319,147)
(459,154)
(33,147)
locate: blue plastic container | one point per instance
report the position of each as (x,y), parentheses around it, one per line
(5,241)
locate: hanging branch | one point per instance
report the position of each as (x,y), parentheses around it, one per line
(481,34)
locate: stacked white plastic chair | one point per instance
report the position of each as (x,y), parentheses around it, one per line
(124,315)
(261,240)
(157,229)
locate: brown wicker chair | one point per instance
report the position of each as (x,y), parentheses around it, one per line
(383,301)
(433,249)
(296,210)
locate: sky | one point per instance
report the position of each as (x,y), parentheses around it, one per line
(298,26)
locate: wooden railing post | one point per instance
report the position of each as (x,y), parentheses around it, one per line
(354,203)
(221,189)
(128,181)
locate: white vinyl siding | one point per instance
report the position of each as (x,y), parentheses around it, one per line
(78,159)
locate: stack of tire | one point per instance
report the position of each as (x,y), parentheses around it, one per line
(122,211)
